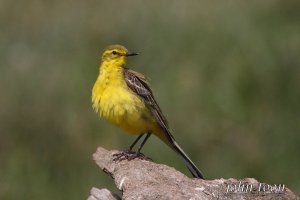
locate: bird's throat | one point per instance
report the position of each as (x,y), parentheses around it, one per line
(111,72)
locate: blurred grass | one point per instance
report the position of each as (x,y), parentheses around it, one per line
(226,75)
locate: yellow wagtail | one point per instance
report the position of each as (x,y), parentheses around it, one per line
(124,97)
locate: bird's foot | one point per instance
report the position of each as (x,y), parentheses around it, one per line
(129,155)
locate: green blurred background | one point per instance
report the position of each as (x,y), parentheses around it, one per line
(226,74)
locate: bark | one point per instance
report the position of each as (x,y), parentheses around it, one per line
(144,179)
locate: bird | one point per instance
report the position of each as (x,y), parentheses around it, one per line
(124,97)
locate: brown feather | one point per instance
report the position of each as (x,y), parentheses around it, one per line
(138,84)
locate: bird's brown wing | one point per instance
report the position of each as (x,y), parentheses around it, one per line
(139,85)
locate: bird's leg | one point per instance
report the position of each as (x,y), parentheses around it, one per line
(138,152)
(135,141)
(130,155)
(142,144)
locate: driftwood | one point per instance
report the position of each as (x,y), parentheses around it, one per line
(144,179)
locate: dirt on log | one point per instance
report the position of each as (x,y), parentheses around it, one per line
(144,179)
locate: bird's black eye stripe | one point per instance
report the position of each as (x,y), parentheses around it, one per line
(114,52)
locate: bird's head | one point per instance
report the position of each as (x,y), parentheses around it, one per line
(116,54)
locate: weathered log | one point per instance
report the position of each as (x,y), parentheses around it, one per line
(144,179)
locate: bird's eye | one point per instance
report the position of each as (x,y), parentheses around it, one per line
(114,52)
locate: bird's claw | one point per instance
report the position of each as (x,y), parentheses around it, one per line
(129,155)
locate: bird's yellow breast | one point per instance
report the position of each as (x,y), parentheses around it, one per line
(115,101)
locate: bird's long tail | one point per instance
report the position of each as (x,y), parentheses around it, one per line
(188,162)
(170,141)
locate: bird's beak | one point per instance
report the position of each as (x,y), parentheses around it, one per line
(131,54)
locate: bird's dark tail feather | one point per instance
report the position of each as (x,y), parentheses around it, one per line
(188,162)
(168,139)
